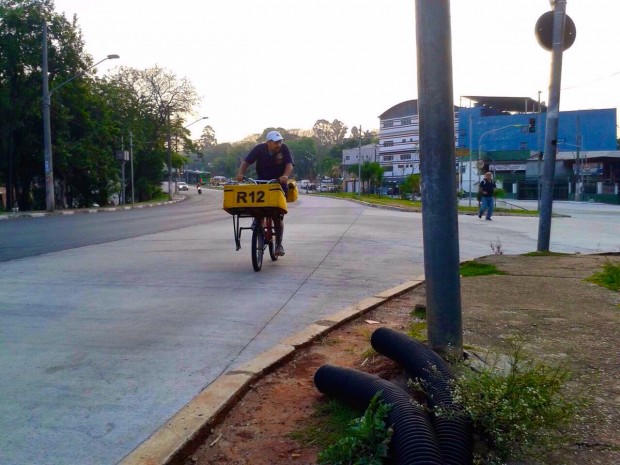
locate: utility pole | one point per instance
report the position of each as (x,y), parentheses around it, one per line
(169,154)
(47,131)
(539,151)
(551,129)
(359,167)
(437,160)
(131,159)
(471,148)
(123,200)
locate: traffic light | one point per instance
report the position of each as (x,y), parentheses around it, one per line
(532,125)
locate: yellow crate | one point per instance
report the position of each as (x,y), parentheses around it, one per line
(254,199)
(292,194)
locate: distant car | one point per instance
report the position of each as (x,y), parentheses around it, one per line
(218,180)
(182,186)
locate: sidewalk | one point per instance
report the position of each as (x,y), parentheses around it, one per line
(245,417)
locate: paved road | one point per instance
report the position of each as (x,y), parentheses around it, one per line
(102,342)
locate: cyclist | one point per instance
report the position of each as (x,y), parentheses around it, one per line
(273,161)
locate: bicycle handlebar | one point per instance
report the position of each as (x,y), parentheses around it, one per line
(256,181)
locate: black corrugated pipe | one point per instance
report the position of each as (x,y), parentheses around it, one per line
(454,431)
(413,441)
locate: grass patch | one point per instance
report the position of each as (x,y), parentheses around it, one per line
(419,312)
(418,330)
(609,277)
(474,268)
(415,205)
(545,254)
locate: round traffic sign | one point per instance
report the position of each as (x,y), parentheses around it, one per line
(544,31)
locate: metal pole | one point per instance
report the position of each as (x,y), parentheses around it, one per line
(359,167)
(539,151)
(437,160)
(123,200)
(169,154)
(131,160)
(471,148)
(551,129)
(47,132)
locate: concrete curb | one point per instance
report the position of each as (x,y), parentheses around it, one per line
(190,427)
(39,214)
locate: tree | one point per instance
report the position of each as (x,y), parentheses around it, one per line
(304,153)
(21,141)
(371,174)
(152,95)
(327,133)
(410,185)
(206,139)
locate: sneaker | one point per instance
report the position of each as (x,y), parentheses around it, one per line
(279,250)
(488,219)
(479,215)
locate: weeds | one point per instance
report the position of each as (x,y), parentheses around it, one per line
(609,277)
(328,423)
(497,247)
(366,441)
(519,410)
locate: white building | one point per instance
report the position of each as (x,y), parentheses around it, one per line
(350,157)
(399,140)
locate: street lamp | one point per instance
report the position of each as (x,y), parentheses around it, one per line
(47,132)
(199,119)
(489,132)
(185,127)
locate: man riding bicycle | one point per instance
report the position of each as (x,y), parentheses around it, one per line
(273,161)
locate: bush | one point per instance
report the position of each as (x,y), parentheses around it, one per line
(518,411)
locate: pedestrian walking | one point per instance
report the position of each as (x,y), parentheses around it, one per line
(486,190)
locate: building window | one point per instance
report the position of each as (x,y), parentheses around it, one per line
(387,158)
(388,143)
(405,157)
(347,157)
(405,121)
(388,124)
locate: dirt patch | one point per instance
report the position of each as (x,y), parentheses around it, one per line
(544,299)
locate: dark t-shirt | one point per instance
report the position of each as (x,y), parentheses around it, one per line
(488,187)
(269,166)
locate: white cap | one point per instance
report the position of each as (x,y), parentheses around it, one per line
(274,136)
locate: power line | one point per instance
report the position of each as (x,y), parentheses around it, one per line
(592,82)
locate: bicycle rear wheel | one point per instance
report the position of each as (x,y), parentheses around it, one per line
(258,246)
(269,237)
(272,250)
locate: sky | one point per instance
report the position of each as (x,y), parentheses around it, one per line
(288,63)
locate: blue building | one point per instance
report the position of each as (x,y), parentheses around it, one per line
(506,135)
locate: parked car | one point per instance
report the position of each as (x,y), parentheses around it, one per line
(182,186)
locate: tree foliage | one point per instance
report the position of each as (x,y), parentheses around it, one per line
(94,118)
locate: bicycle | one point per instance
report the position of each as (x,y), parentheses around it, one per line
(260,200)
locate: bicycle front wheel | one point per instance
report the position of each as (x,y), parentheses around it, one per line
(258,246)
